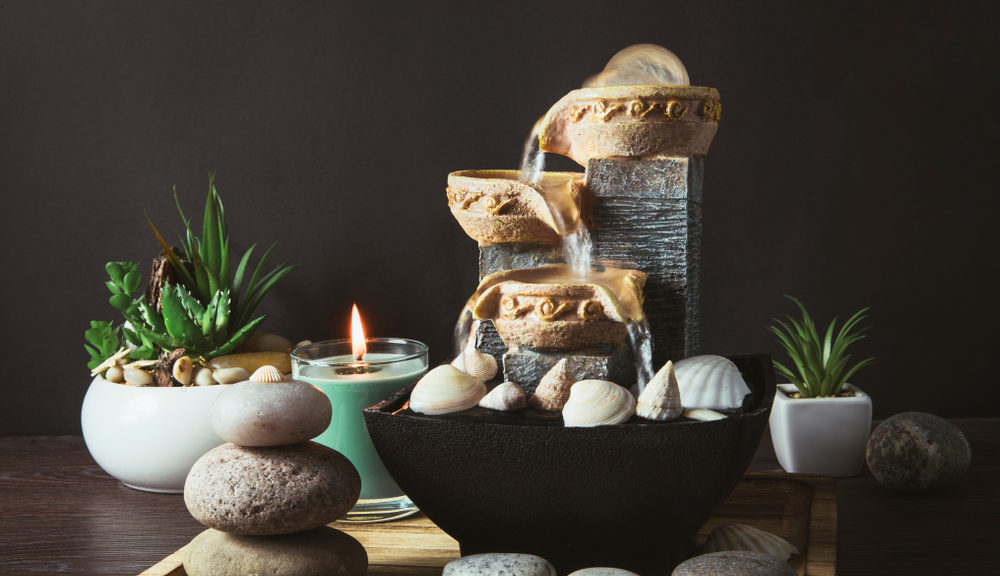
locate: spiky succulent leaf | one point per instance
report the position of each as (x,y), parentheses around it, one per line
(236,339)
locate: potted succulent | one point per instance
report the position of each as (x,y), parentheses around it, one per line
(819,422)
(146,415)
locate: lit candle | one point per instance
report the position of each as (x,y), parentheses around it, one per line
(356,374)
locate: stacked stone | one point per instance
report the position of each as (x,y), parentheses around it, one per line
(268,494)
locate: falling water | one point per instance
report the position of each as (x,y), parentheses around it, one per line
(532,159)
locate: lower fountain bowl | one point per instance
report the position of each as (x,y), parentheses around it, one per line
(631,496)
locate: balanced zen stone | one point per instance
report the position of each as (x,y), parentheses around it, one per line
(916,450)
(506,564)
(734,563)
(320,552)
(270,413)
(271,490)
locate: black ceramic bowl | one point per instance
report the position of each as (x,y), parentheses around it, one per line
(631,496)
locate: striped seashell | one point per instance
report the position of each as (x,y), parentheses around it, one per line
(661,399)
(553,389)
(476,363)
(746,537)
(710,381)
(506,397)
(597,403)
(446,389)
(267,373)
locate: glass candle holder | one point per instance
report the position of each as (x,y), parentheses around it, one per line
(352,385)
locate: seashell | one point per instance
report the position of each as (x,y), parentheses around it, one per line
(183,370)
(114,374)
(661,399)
(137,376)
(231,375)
(710,381)
(446,389)
(746,537)
(478,364)
(552,391)
(267,374)
(703,414)
(204,377)
(506,397)
(597,403)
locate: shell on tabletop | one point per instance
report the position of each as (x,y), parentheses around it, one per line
(505,397)
(597,403)
(710,381)
(661,398)
(553,389)
(267,374)
(475,363)
(446,389)
(750,538)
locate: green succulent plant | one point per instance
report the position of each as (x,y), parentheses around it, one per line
(207,312)
(822,365)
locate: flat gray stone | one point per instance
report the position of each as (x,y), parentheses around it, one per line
(504,564)
(734,563)
(916,451)
(602,571)
(527,367)
(270,413)
(272,490)
(320,552)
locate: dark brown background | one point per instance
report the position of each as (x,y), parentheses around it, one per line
(854,165)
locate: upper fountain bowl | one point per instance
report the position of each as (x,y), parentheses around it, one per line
(631,121)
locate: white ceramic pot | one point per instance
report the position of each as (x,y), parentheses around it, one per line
(823,436)
(148,437)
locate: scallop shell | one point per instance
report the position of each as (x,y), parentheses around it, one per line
(479,364)
(661,399)
(746,537)
(710,381)
(446,389)
(506,397)
(268,374)
(553,389)
(183,370)
(598,403)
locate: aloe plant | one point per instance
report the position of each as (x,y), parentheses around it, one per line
(822,365)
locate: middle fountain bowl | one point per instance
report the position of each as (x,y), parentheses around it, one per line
(631,496)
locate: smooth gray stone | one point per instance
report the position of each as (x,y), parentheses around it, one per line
(527,367)
(602,571)
(916,451)
(270,413)
(501,564)
(320,552)
(272,490)
(734,563)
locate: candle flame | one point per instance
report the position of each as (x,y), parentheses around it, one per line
(358,345)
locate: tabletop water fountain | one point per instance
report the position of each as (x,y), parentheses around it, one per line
(532,440)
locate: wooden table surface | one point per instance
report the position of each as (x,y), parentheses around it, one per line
(61,514)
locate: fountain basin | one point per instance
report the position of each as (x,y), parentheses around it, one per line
(631,495)
(632,121)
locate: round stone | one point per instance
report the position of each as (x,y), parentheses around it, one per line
(320,552)
(271,490)
(506,564)
(270,413)
(602,571)
(734,563)
(916,450)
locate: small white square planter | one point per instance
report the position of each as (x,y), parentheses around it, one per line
(823,436)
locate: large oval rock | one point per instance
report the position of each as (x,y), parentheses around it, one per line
(916,450)
(502,563)
(734,563)
(272,490)
(270,413)
(320,552)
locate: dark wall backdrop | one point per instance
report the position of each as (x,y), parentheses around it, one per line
(854,166)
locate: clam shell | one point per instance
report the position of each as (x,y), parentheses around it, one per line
(553,389)
(746,537)
(267,374)
(506,397)
(710,381)
(661,399)
(597,403)
(478,364)
(183,370)
(446,389)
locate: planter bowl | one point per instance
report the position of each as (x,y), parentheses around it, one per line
(148,438)
(631,495)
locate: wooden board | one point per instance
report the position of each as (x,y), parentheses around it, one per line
(800,509)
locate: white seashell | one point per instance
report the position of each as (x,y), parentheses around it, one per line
(710,381)
(703,414)
(204,377)
(598,403)
(446,389)
(479,364)
(661,399)
(183,370)
(459,362)
(115,374)
(552,391)
(231,375)
(506,397)
(137,376)
(267,374)
(746,537)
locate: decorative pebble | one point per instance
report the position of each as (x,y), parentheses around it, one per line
(137,377)
(270,413)
(115,374)
(204,377)
(320,552)
(273,490)
(916,450)
(251,361)
(602,571)
(231,375)
(496,564)
(734,563)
